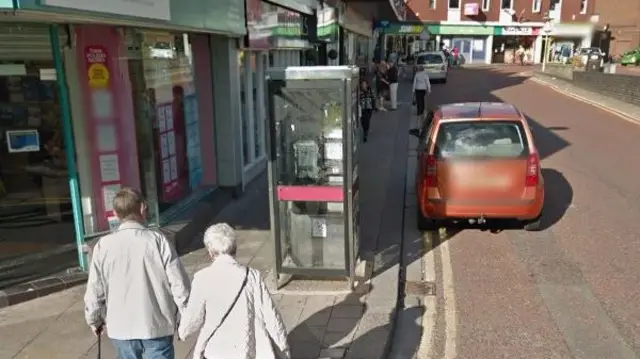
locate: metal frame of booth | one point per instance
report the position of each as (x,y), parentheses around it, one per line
(309,209)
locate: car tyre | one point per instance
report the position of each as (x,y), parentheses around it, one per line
(424,223)
(444,81)
(533,225)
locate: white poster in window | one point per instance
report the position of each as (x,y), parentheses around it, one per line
(171,142)
(333,150)
(108,193)
(168,114)
(478,45)
(162,120)
(319,228)
(164,146)
(102,104)
(166,171)
(106,134)
(174,167)
(109,168)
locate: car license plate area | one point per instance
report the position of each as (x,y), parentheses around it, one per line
(476,182)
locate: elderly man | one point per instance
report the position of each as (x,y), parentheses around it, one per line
(137,280)
(231,306)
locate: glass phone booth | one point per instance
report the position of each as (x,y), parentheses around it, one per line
(313,170)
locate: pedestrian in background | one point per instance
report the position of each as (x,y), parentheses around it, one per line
(421,88)
(382,85)
(231,307)
(367,106)
(137,284)
(392,78)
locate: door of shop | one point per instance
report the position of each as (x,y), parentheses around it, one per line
(464,48)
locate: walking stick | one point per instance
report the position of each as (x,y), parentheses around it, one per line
(99,346)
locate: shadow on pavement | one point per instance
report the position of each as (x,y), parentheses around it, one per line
(558,197)
(330,327)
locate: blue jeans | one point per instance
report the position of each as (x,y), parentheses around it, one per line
(158,348)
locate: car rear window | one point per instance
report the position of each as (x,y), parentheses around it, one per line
(427,59)
(481,139)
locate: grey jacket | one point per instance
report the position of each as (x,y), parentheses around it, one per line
(136,285)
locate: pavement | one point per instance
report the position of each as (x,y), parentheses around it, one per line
(324,319)
(568,291)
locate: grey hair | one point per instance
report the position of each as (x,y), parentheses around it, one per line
(220,239)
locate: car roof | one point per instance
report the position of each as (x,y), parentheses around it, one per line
(494,111)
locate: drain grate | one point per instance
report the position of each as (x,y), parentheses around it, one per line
(420,288)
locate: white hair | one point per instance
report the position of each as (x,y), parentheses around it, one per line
(220,239)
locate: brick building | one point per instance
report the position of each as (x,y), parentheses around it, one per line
(491,31)
(623,17)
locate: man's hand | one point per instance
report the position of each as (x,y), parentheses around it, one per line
(97,330)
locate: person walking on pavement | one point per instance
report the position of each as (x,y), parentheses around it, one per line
(137,284)
(382,84)
(367,106)
(421,88)
(392,78)
(231,306)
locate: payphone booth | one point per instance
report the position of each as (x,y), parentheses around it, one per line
(313,170)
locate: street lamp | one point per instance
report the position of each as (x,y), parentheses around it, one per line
(546,29)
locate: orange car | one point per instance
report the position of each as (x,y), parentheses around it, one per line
(477,162)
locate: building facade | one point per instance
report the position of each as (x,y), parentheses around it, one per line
(96,96)
(618,25)
(492,31)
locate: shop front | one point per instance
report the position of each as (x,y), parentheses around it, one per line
(355,37)
(328,35)
(474,43)
(406,38)
(89,109)
(564,39)
(276,37)
(516,45)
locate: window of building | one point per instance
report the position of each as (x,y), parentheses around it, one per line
(485,5)
(432,4)
(535,7)
(506,4)
(454,4)
(167,112)
(583,6)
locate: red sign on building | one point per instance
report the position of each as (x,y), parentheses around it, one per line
(471,9)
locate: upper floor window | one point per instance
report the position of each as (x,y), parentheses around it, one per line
(536,5)
(506,4)
(432,4)
(485,5)
(583,6)
(555,4)
(454,4)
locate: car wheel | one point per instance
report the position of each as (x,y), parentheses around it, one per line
(533,225)
(425,224)
(444,81)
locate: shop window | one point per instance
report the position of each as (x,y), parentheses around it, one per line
(35,200)
(506,4)
(258,75)
(168,126)
(242,64)
(454,4)
(487,3)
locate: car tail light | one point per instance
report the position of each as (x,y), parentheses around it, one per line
(431,178)
(533,168)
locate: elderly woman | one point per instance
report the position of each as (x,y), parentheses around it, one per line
(231,306)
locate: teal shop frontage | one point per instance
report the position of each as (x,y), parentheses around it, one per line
(473,42)
(100,95)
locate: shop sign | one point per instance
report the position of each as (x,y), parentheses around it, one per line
(519,31)
(150,9)
(471,9)
(399,29)
(327,24)
(465,30)
(97,70)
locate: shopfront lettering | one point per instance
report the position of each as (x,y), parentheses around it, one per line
(410,29)
(517,31)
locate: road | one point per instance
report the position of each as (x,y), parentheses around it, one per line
(570,290)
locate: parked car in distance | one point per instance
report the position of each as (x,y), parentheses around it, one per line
(586,52)
(477,162)
(631,58)
(434,63)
